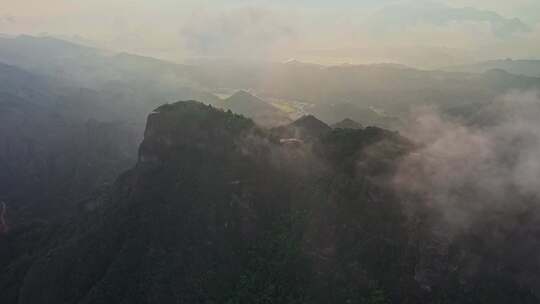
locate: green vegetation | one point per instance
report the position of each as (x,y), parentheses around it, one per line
(219,211)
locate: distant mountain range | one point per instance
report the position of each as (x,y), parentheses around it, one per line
(393,90)
(259,110)
(347,124)
(335,113)
(146,82)
(137,80)
(529,68)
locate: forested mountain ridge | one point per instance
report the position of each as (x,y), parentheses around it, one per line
(529,68)
(218,210)
(223,203)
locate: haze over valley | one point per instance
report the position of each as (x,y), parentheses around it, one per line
(269,152)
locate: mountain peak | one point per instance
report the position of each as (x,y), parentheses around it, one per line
(188,125)
(347,123)
(309,121)
(311,124)
(242,94)
(262,112)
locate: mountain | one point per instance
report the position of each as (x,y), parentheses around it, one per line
(310,124)
(65,60)
(136,82)
(334,113)
(217,210)
(58,144)
(71,120)
(529,68)
(214,208)
(307,127)
(347,124)
(392,90)
(248,105)
(140,83)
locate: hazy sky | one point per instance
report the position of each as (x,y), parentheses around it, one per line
(417,32)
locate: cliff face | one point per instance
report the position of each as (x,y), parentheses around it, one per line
(219,211)
(189,126)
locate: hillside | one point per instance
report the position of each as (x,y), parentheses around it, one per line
(250,106)
(307,128)
(393,90)
(529,68)
(137,84)
(334,113)
(218,211)
(57,144)
(142,83)
(347,124)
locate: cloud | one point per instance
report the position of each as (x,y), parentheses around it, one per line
(245,31)
(7,19)
(6,23)
(417,32)
(415,13)
(473,191)
(466,173)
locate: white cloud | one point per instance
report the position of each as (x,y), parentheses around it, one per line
(246,31)
(466,171)
(442,35)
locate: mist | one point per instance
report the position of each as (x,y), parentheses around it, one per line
(468,171)
(436,33)
(309,151)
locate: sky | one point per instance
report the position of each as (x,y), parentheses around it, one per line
(421,33)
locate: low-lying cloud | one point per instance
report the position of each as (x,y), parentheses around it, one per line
(467,170)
